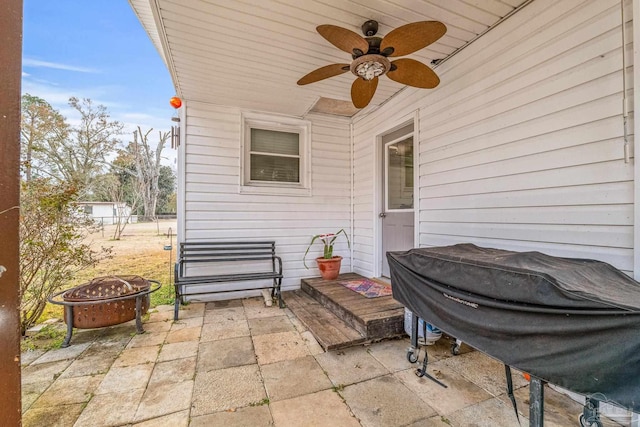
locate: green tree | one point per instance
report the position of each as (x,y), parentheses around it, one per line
(83,154)
(52,244)
(121,169)
(41,126)
(120,186)
(167,188)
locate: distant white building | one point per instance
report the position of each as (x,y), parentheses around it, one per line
(107,212)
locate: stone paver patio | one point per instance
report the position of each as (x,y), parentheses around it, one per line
(239,363)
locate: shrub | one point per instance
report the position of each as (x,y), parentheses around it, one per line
(52,244)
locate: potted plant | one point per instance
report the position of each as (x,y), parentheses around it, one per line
(328,264)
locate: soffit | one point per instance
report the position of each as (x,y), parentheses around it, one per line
(250,54)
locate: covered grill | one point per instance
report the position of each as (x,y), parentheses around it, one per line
(570,322)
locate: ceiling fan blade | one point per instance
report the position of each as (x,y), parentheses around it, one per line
(412,37)
(362,91)
(324,73)
(343,39)
(413,73)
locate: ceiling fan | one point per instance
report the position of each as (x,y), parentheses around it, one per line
(370,54)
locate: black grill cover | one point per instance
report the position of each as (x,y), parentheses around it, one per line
(571,322)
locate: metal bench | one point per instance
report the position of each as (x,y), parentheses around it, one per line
(247,257)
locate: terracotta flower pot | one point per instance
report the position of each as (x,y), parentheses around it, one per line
(329,268)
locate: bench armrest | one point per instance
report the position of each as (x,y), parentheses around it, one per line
(279,269)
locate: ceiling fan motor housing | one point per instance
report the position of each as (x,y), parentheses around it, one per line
(370,28)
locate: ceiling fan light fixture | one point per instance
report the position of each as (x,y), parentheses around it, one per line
(370,66)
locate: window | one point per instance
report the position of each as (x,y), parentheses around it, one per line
(400,174)
(88,209)
(275,155)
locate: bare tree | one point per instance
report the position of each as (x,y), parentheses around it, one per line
(113,187)
(147,168)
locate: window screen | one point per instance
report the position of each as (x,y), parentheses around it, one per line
(274,156)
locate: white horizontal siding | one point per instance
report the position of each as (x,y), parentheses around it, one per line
(216,210)
(579,195)
(521,145)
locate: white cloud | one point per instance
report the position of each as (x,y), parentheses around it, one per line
(137,116)
(145,120)
(36,63)
(55,96)
(58,96)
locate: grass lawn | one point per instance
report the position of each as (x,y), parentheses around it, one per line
(140,251)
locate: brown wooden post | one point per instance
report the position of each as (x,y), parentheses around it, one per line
(10,75)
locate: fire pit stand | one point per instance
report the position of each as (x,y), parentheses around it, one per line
(105,301)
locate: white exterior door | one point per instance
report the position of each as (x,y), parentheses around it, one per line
(397,213)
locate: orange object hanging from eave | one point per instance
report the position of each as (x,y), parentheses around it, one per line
(175,102)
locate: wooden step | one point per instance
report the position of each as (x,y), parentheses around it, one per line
(374,318)
(330,331)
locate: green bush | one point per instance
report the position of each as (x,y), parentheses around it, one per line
(52,244)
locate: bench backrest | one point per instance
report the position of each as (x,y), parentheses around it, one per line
(197,252)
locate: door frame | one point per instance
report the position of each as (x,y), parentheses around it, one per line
(378,200)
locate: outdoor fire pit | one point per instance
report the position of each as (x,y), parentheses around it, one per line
(105,301)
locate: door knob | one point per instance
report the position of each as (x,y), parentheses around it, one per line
(383,215)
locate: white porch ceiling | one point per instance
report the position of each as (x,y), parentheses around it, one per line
(250,54)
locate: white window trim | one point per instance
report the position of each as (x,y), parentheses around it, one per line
(282,124)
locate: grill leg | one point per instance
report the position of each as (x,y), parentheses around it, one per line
(507,371)
(536,402)
(414,330)
(590,416)
(413,353)
(67,339)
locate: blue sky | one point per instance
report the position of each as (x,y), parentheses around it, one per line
(95,49)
